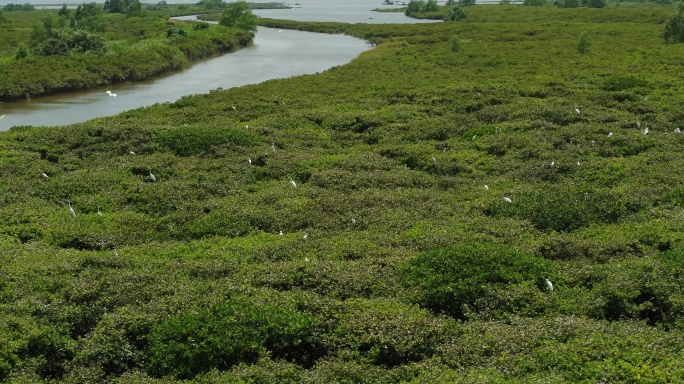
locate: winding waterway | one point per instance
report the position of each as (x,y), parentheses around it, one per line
(275,54)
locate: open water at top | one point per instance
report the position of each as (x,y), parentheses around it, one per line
(275,54)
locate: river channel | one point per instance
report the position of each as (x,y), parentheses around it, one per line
(275,54)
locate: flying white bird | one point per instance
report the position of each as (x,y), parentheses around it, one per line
(292,183)
(549,285)
(2,116)
(506,199)
(111,94)
(152,177)
(131,153)
(71,209)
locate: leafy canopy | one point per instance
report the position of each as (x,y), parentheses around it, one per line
(238,15)
(452,278)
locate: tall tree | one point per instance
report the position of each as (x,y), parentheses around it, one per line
(238,15)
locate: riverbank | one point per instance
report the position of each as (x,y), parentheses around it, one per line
(133,49)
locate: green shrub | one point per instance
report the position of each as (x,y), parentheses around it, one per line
(621,83)
(455,44)
(596,3)
(218,223)
(568,3)
(191,140)
(452,279)
(225,334)
(583,43)
(455,14)
(562,209)
(674,29)
(176,32)
(200,26)
(387,332)
(21,53)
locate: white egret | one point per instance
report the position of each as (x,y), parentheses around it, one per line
(280,233)
(578,164)
(98,211)
(116,253)
(2,116)
(645,131)
(111,94)
(353,221)
(152,177)
(486,188)
(553,163)
(610,134)
(306,236)
(273,147)
(249,159)
(233,107)
(306,259)
(71,209)
(577,110)
(44,175)
(131,153)
(549,285)
(677,131)
(638,124)
(474,137)
(506,199)
(246,126)
(292,183)
(433,159)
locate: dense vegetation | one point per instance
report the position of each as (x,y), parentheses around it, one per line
(45,52)
(413,267)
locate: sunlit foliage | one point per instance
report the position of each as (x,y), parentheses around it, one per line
(415,268)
